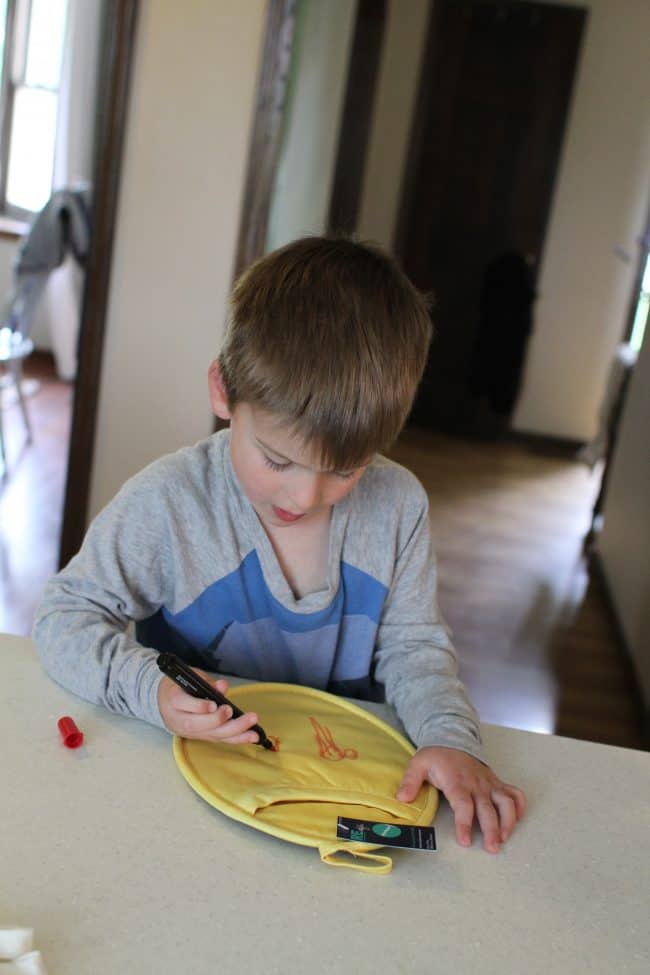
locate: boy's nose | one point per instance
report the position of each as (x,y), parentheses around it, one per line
(307,491)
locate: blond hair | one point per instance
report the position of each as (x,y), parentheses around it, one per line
(329,335)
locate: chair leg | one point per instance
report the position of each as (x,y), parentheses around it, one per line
(17,372)
(3,456)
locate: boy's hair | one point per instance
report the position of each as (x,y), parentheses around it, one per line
(330,336)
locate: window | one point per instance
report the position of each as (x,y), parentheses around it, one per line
(31,47)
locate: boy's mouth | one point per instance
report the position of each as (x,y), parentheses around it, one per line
(285,515)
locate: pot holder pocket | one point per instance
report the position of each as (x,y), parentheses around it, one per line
(332,759)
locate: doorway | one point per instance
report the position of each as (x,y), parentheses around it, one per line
(496,86)
(32,540)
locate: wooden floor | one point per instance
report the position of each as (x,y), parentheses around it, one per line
(536,640)
(537,645)
(31,495)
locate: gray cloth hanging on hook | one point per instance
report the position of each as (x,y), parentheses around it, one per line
(62,226)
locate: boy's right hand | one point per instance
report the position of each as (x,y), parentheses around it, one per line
(194,717)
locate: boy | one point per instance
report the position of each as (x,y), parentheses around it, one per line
(286,548)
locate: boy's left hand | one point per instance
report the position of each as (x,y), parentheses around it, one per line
(471,788)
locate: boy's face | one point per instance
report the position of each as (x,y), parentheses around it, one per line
(279,474)
(277,471)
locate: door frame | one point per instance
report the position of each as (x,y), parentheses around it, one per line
(118,39)
(267,130)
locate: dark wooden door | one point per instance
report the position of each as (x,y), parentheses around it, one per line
(494,96)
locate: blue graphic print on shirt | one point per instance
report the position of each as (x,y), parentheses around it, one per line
(236,626)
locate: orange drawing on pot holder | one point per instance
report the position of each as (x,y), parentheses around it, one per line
(327,746)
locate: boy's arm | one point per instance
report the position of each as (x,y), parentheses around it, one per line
(81,626)
(414,658)
(417,664)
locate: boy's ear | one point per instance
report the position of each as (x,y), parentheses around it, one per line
(217,390)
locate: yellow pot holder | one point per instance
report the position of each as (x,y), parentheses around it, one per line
(332,759)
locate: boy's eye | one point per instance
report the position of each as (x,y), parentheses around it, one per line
(274,465)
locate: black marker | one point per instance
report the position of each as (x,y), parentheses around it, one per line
(186,678)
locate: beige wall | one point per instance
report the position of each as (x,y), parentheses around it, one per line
(599,205)
(625,541)
(190,112)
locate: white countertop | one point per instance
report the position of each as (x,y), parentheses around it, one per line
(121,868)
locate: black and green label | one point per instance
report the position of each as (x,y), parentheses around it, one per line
(387,834)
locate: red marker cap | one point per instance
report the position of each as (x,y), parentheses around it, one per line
(71,735)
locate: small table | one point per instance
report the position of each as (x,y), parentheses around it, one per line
(14,348)
(120,867)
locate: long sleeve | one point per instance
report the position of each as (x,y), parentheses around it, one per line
(82,626)
(415,659)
